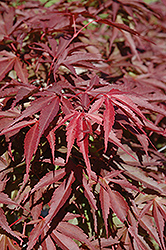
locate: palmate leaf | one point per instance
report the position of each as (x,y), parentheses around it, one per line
(115,96)
(6,63)
(115,201)
(21,71)
(74,232)
(147,223)
(36,106)
(79,129)
(33,136)
(139,175)
(122,101)
(61,194)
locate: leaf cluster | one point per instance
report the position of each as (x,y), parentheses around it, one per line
(82,125)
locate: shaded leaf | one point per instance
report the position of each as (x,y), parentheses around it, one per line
(118,204)
(105,206)
(35,233)
(49,178)
(74,232)
(64,241)
(88,193)
(31,143)
(5,226)
(60,196)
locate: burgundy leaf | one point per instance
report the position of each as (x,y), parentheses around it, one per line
(60,196)
(21,71)
(74,232)
(7,243)
(72,133)
(49,178)
(116,141)
(48,113)
(35,107)
(96,105)
(118,204)
(160,205)
(48,244)
(82,141)
(126,101)
(16,128)
(140,175)
(105,243)
(144,141)
(37,208)
(31,143)
(123,183)
(108,117)
(78,56)
(147,223)
(95,118)
(4,199)
(51,140)
(35,233)
(6,63)
(105,205)
(119,26)
(66,106)
(88,193)
(5,226)
(145,209)
(24,92)
(159,220)
(138,240)
(63,241)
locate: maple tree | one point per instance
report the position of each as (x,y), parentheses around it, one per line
(82,125)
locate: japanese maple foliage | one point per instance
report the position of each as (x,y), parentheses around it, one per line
(82,125)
